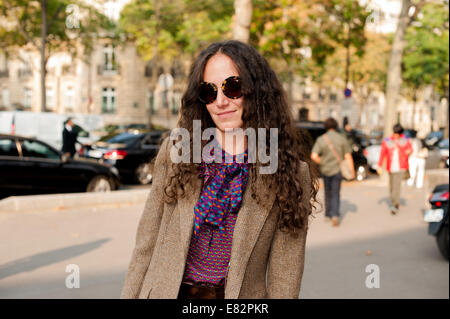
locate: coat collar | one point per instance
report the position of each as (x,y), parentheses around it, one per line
(251,218)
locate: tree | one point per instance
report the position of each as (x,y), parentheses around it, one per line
(166,32)
(426,53)
(367,73)
(394,75)
(351,19)
(243,18)
(41,26)
(300,34)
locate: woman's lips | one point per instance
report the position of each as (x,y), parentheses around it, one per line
(225,114)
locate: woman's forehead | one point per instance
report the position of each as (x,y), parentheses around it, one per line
(218,68)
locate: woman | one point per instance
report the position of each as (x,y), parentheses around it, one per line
(214,230)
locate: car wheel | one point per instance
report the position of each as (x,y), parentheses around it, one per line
(144,173)
(99,184)
(442,241)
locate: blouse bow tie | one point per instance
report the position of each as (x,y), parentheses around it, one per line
(221,193)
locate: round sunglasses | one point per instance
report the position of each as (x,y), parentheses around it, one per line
(231,87)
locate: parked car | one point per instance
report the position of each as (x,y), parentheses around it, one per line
(443,151)
(130,153)
(375,137)
(433,138)
(31,166)
(437,217)
(372,153)
(111,130)
(312,130)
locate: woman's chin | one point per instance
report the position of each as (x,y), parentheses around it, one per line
(228,126)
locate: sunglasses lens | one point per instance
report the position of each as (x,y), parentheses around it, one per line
(207,93)
(232,88)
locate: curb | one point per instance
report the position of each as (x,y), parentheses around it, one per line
(58,202)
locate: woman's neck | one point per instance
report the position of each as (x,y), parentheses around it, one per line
(232,142)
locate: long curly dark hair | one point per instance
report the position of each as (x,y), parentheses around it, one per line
(264,106)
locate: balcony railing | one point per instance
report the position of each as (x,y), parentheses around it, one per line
(106,71)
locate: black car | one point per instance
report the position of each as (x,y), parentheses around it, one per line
(30,166)
(130,153)
(311,130)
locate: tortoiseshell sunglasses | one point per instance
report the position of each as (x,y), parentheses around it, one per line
(231,87)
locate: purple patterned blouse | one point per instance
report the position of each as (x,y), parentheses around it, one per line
(215,217)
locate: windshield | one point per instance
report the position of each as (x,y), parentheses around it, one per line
(124,138)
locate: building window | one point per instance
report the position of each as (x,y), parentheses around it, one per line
(69,97)
(50,95)
(333,97)
(150,101)
(108,100)
(5,98)
(109,59)
(27,96)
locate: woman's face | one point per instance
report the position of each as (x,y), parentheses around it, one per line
(225,112)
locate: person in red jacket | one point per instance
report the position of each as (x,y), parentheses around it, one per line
(396,150)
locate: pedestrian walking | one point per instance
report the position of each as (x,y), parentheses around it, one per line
(417,161)
(225,230)
(328,151)
(395,150)
(69,138)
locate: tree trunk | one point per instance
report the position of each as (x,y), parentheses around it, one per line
(413,116)
(43,58)
(154,63)
(243,17)
(394,76)
(446,113)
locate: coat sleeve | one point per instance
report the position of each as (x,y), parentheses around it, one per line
(287,254)
(148,228)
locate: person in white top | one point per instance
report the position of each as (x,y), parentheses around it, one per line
(417,162)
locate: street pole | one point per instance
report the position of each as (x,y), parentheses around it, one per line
(43,62)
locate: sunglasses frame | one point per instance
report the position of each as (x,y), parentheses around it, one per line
(234,77)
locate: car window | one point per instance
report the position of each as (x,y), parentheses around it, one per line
(125,138)
(36,149)
(8,148)
(443,143)
(152,138)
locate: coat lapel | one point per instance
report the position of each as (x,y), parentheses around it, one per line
(250,220)
(186,210)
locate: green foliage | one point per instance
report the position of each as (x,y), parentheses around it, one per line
(166,28)
(281,29)
(426,54)
(22,26)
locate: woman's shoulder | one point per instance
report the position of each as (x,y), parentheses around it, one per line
(164,150)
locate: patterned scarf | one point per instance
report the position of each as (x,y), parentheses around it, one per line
(222,192)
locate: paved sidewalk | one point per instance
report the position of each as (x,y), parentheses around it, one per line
(35,249)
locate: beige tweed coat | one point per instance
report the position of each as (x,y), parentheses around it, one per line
(265,262)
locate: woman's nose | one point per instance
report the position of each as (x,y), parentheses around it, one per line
(222,99)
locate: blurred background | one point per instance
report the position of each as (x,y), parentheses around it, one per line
(119,69)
